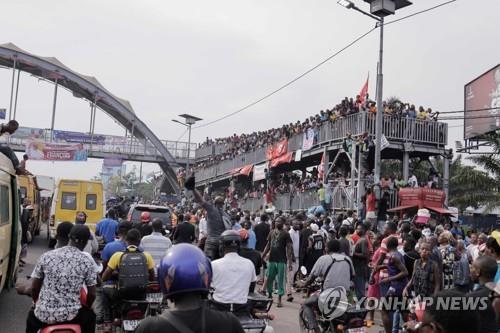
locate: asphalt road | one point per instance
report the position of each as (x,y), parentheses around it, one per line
(14,308)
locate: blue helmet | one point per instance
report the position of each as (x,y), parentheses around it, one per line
(184,269)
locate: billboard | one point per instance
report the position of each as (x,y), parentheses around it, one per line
(482,104)
(44,151)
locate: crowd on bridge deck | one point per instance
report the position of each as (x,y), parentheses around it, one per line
(239,144)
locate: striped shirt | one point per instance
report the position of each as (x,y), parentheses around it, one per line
(157,245)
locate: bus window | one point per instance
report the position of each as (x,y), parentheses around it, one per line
(24,192)
(68,200)
(91,202)
(4,205)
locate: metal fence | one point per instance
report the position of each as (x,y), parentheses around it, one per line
(394,128)
(341,200)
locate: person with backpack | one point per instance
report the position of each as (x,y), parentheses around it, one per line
(135,268)
(336,270)
(185,276)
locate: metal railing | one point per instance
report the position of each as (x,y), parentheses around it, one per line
(341,200)
(111,145)
(395,129)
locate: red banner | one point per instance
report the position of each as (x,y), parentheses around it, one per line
(287,158)
(270,153)
(245,170)
(281,148)
(277,150)
(421,197)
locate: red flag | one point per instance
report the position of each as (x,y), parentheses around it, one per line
(364,90)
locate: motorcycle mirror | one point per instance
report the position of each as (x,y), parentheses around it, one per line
(303,270)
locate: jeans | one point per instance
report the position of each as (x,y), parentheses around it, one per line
(290,276)
(276,268)
(85,318)
(212,249)
(7,151)
(396,320)
(360,285)
(309,311)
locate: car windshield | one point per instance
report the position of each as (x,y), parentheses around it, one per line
(161,213)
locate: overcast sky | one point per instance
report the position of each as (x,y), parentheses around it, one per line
(209,58)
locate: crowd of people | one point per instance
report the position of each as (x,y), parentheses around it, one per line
(209,246)
(239,144)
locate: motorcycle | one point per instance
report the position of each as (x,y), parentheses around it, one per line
(129,313)
(62,328)
(333,312)
(255,317)
(25,289)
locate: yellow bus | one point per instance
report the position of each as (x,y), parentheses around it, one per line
(72,196)
(10,227)
(30,195)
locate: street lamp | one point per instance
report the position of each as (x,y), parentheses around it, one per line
(378,10)
(190,120)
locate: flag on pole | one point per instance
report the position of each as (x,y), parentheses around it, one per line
(364,90)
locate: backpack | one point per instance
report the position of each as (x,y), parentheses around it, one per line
(133,275)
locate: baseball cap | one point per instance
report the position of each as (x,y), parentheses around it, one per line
(314,227)
(80,233)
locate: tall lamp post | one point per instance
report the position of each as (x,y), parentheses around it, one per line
(378,10)
(189,121)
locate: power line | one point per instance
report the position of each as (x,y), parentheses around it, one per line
(183,133)
(290,82)
(420,12)
(319,65)
(472,110)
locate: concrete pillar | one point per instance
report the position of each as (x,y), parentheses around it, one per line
(406,165)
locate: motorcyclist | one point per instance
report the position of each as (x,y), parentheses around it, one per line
(56,282)
(336,270)
(217,220)
(185,275)
(112,272)
(92,245)
(133,240)
(233,275)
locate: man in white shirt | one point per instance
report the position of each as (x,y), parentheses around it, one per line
(156,244)
(232,275)
(290,279)
(412,181)
(202,227)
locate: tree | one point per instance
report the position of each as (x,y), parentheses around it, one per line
(470,186)
(116,186)
(145,191)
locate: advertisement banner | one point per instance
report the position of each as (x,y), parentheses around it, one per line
(24,133)
(482,104)
(77,137)
(259,171)
(42,151)
(112,162)
(308,139)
